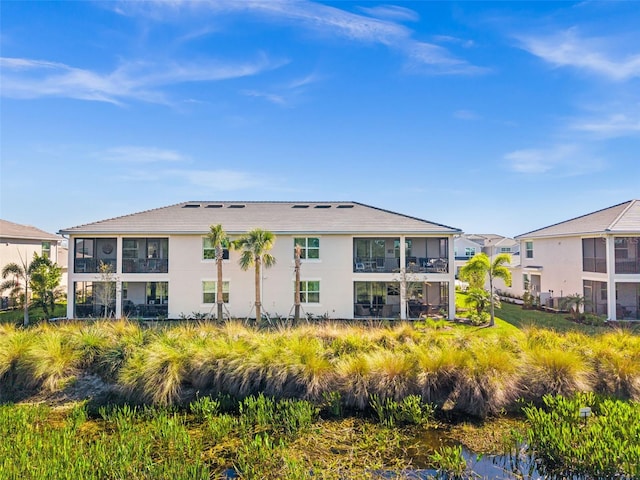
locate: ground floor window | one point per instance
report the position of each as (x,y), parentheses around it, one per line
(595,296)
(628,301)
(145,299)
(310,291)
(94,299)
(210,290)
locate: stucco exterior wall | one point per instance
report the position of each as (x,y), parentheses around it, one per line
(187,270)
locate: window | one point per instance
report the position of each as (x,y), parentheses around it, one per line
(89,253)
(210,289)
(46,249)
(310,247)
(525,281)
(209,251)
(529,249)
(310,291)
(469,251)
(621,249)
(505,250)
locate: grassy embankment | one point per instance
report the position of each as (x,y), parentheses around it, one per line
(456,368)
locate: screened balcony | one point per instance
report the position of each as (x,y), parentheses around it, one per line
(145,255)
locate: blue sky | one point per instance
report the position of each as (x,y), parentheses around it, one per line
(489,117)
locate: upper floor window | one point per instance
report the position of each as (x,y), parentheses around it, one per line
(310,291)
(90,253)
(309,247)
(209,251)
(46,249)
(145,255)
(210,290)
(529,249)
(505,250)
(469,251)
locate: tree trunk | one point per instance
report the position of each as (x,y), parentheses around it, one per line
(296,314)
(492,320)
(258,305)
(25,321)
(219,297)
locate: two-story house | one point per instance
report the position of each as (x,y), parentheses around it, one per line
(357,261)
(19,242)
(596,255)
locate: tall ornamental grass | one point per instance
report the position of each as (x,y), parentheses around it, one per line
(475,372)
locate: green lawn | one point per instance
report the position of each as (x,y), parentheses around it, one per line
(520,318)
(35,314)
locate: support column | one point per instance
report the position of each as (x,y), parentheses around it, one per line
(452,279)
(403,283)
(611,278)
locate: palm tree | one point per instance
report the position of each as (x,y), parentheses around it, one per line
(219,241)
(296,297)
(44,283)
(21,273)
(255,246)
(575,303)
(481,266)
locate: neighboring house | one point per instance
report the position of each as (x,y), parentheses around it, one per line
(164,265)
(18,243)
(468,245)
(464,249)
(596,255)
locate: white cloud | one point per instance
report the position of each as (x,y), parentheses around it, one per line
(391,12)
(562,160)
(270,97)
(324,19)
(597,55)
(143,81)
(612,125)
(132,154)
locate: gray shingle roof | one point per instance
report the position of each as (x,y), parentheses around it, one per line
(621,218)
(24,232)
(278,217)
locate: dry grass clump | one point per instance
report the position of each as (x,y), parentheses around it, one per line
(616,361)
(156,372)
(52,359)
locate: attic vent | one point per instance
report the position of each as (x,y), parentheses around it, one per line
(300,206)
(344,206)
(322,206)
(191,205)
(236,206)
(216,205)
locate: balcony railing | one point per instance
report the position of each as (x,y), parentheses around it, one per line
(427,265)
(376,264)
(145,265)
(92,265)
(628,265)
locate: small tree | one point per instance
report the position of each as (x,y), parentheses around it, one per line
(21,279)
(44,283)
(575,304)
(107,291)
(254,247)
(480,266)
(219,241)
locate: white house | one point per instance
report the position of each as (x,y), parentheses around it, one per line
(596,255)
(464,249)
(19,242)
(358,261)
